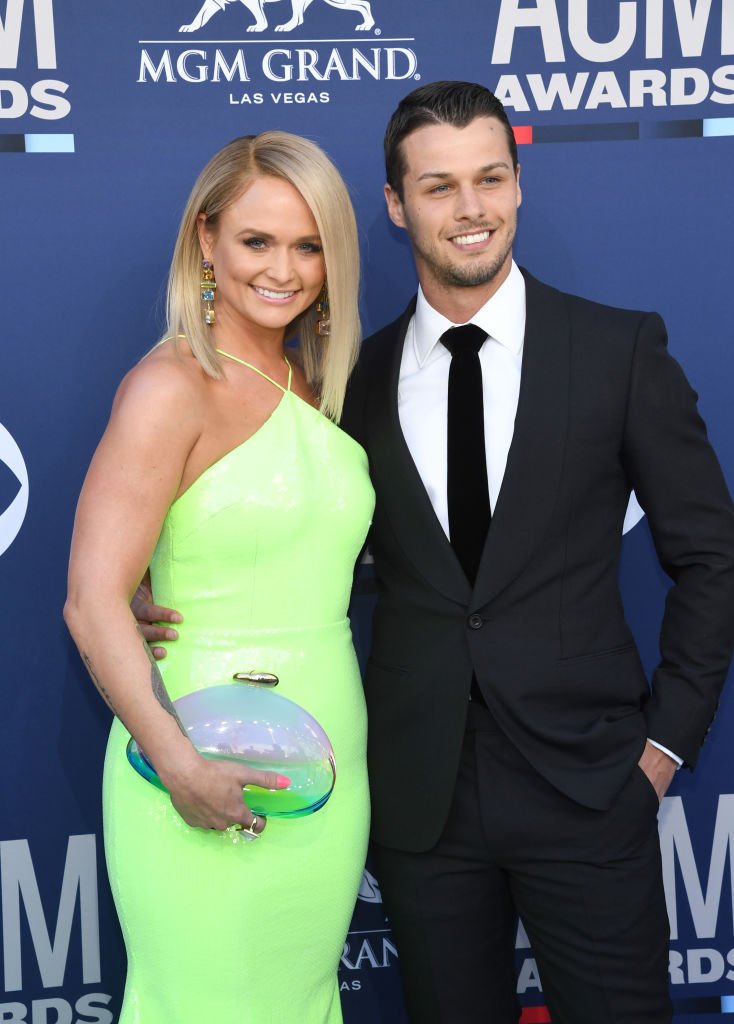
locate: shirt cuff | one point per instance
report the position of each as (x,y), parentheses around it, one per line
(678,760)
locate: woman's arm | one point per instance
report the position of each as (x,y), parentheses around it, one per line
(134,477)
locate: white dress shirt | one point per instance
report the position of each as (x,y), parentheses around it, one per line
(423,391)
(423,387)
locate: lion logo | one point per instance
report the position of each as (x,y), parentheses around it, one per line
(257,9)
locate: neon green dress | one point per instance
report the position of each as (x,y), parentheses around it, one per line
(258,555)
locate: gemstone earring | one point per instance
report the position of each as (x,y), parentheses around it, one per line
(206,289)
(323,321)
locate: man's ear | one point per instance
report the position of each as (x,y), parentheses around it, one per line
(394,207)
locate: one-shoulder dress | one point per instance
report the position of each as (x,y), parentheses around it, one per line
(258,554)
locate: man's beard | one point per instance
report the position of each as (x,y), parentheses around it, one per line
(463,275)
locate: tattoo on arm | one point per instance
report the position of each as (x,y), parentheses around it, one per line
(159,687)
(156,682)
(103,692)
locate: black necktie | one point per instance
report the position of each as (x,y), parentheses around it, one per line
(467,488)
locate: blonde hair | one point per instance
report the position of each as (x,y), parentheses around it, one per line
(327,361)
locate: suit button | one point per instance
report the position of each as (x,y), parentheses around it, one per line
(475,621)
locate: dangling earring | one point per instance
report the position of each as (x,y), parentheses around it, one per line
(206,289)
(323,321)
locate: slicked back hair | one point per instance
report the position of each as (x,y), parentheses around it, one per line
(453,103)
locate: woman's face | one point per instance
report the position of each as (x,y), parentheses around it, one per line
(267,257)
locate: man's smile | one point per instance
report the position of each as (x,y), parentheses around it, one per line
(472,240)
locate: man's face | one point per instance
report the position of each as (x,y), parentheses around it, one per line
(459,205)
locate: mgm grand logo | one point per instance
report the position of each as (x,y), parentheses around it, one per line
(298,7)
(235,61)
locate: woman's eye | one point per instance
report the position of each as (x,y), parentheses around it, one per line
(255,243)
(310,247)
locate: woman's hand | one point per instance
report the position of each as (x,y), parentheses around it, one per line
(208,794)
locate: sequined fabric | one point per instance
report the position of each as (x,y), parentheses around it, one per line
(258,555)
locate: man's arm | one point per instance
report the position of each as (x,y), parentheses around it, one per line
(679,483)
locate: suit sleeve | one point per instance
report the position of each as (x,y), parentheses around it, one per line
(679,483)
(353,413)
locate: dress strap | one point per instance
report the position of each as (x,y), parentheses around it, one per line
(261,373)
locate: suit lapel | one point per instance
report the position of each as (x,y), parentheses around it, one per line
(532,476)
(401,494)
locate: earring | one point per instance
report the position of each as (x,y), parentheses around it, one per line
(323,322)
(206,289)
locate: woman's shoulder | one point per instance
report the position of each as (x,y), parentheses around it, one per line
(167,386)
(169,368)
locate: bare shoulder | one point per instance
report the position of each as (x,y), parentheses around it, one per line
(166,389)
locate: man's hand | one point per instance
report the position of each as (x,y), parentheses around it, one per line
(148,614)
(658,767)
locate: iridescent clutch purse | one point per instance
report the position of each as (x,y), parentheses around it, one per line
(245,721)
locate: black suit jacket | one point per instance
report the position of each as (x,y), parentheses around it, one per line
(603,408)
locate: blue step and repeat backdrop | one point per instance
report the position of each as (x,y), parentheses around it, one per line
(625,115)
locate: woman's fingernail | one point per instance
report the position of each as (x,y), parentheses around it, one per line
(176,617)
(171,634)
(283,780)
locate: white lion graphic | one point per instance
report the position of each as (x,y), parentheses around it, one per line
(256,8)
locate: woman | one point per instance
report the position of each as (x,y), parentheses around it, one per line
(250,517)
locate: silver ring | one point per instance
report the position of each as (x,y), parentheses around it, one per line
(241,834)
(250,829)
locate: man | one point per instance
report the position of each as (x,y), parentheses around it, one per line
(527,796)
(517,755)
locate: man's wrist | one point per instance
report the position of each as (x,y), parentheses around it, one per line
(665,750)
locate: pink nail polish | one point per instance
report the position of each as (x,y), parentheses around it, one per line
(283,781)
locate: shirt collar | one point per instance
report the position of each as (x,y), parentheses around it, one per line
(502,317)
